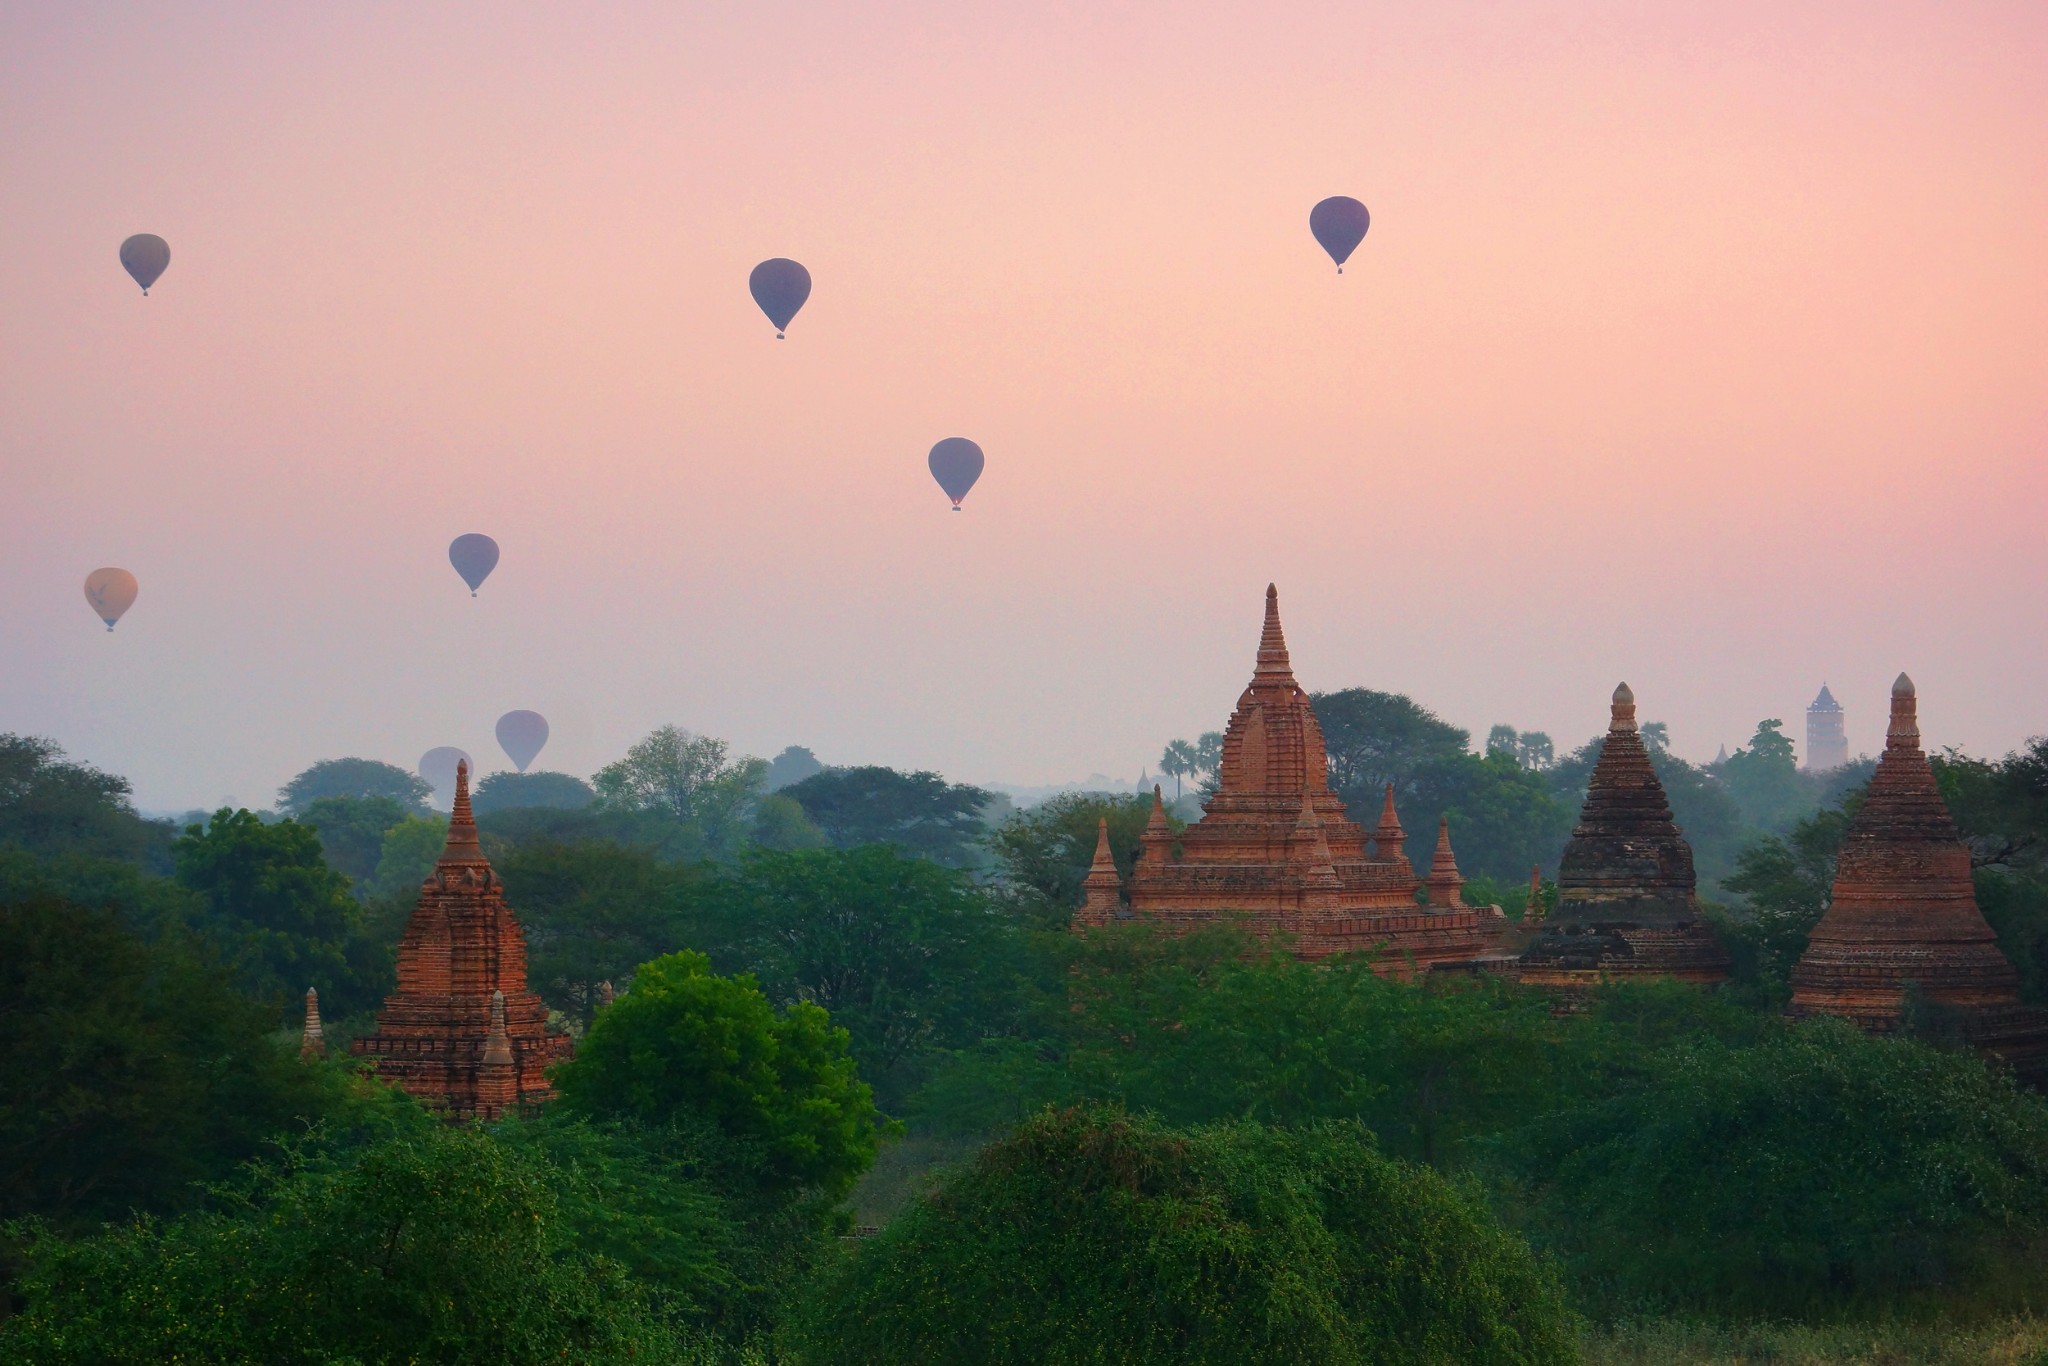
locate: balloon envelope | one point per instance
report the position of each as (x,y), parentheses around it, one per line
(780,286)
(956,463)
(474,557)
(111,592)
(437,766)
(144,256)
(521,734)
(1339,223)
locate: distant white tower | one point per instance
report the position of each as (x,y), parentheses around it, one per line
(1826,746)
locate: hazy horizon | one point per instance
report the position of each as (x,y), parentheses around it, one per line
(1705,351)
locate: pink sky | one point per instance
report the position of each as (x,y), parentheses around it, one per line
(1704,346)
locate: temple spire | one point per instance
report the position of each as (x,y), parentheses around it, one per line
(497,1043)
(1273,661)
(1904,730)
(1101,890)
(1389,835)
(462,846)
(1624,714)
(1445,882)
(312,1042)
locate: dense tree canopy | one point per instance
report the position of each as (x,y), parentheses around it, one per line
(1376,738)
(275,909)
(436,1244)
(50,806)
(920,812)
(351,831)
(131,1069)
(1865,1167)
(354,778)
(1042,852)
(1098,1236)
(692,781)
(686,1043)
(593,911)
(507,791)
(908,957)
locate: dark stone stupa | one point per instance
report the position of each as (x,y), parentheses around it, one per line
(1626,903)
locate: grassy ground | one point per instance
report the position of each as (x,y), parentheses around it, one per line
(2019,1341)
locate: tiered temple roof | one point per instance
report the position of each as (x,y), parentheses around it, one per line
(462,1032)
(1626,905)
(1276,849)
(1904,910)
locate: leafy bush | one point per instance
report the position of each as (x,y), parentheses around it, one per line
(440,1245)
(1094,1236)
(1817,1167)
(686,1043)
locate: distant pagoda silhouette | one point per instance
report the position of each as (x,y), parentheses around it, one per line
(1826,745)
(1626,904)
(1903,912)
(462,1032)
(1276,851)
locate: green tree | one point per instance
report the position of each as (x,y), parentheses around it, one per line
(1376,738)
(354,778)
(407,855)
(920,812)
(908,957)
(1504,817)
(351,831)
(1785,883)
(506,791)
(129,1069)
(691,780)
(780,823)
(593,912)
(1042,852)
(1178,762)
(437,1245)
(1867,1169)
(1764,780)
(686,1044)
(51,807)
(793,765)
(273,906)
(1097,1236)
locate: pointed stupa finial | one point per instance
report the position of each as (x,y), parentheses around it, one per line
(605,994)
(1272,644)
(1904,730)
(1533,913)
(497,1044)
(1388,836)
(1444,881)
(1102,889)
(1624,713)
(312,1042)
(462,846)
(1157,820)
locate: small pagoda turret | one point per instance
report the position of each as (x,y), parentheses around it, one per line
(1903,918)
(462,1032)
(1626,900)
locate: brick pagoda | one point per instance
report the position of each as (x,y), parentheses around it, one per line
(1903,909)
(1276,850)
(462,1032)
(1626,904)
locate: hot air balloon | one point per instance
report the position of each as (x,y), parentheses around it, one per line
(956,463)
(780,286)
(437,766)
(474,556)
(111,592)
(521,735)
(144,256)
(1339,223)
